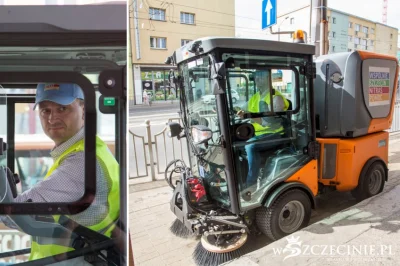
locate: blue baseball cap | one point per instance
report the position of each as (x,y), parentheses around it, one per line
(61,93)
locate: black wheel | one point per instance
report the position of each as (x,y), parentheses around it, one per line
(371,182)
(290,212)
(234,100)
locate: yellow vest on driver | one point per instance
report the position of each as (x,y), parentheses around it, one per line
(253,107)
(110,169)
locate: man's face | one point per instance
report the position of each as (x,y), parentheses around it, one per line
(61,122)
(261,79)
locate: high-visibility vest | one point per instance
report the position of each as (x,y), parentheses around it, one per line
(47,247)
(253,106)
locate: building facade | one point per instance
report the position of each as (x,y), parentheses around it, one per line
(362,34)
(338,31)
(346,32)
(157,29)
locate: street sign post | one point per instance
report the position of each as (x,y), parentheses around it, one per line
(268,13)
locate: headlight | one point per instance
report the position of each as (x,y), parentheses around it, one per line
(201,134)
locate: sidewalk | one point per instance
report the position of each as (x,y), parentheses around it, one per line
(365,234)
(337,221)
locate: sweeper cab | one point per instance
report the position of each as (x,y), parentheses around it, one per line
(255,168)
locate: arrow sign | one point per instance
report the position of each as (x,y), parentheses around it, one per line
(268,13)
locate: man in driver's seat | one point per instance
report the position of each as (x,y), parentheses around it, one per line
(266,128)
(62,115)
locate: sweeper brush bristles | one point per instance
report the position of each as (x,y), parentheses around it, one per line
(203,257)
(180,230)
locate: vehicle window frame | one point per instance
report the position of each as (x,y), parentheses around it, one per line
(272,113)
(88,90)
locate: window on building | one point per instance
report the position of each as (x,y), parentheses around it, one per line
(372,31)
(391,35)
(184,41)
(356,40)
(333,48)
(333,34)
(350,24)
(365,29)
(371,42)
(291,20)
(391,47)
(158,42)
(187,18)
(333,20)
(357,27)
(157,14)
(364,42)
(349,38)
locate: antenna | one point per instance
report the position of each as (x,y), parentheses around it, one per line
(384,12)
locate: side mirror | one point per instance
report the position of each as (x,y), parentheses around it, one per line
(174,129)
(201,134)
(172,79)
(217,76)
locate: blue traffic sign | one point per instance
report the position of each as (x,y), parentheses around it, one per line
(268,13)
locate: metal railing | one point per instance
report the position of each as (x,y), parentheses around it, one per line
(157,150)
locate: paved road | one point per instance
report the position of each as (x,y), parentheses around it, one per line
(158,107)
(150,218)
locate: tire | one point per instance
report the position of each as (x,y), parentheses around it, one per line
(371,182)
(234,100)
(268,219)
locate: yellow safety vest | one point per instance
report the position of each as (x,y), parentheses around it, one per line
(110,168)
(253,107)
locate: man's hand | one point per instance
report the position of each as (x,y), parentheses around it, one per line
(240,113)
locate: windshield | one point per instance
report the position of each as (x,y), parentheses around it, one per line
(30,155)
(200,108)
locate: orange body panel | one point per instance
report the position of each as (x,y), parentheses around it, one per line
(370,55)
(307,175)
(380,124)
(351,156)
